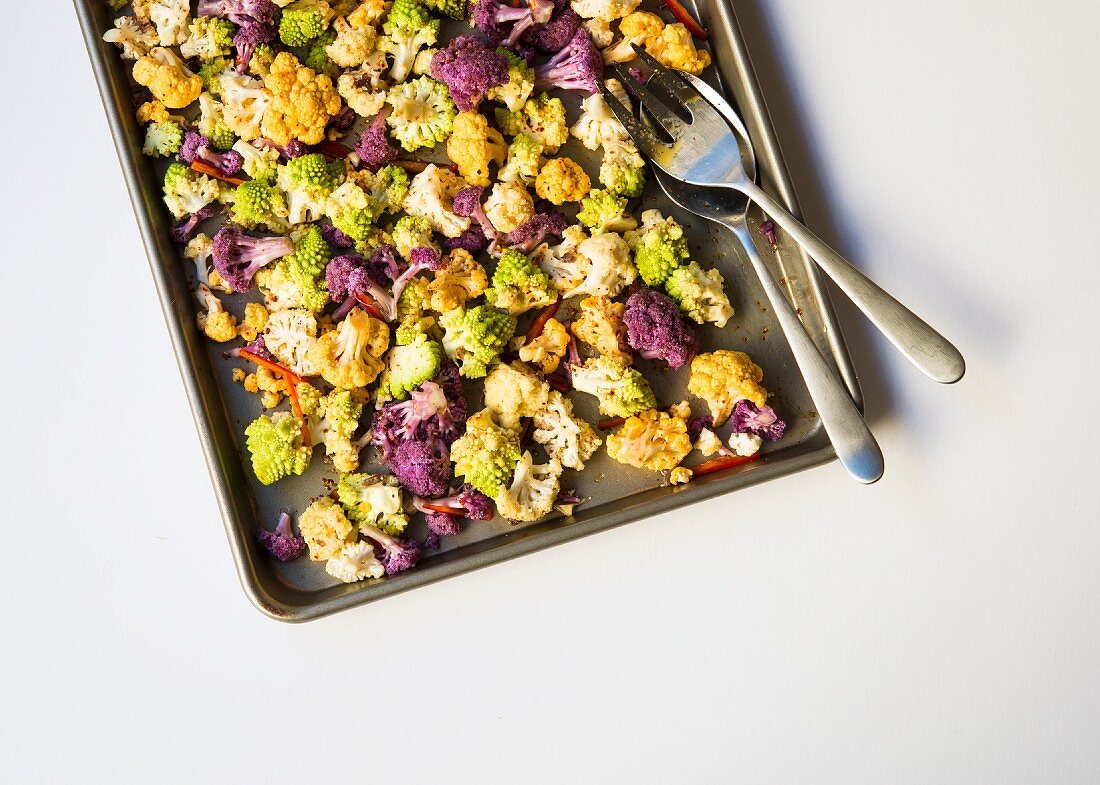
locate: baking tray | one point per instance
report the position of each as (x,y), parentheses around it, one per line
(301,591)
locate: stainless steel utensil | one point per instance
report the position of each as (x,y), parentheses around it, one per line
(854,443)
(703,151)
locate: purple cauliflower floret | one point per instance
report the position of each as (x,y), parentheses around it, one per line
(281,542)
(472,240)
(556,34)
(767,228)
(760,421)
(196,147)
(422,466)
(384,265)
(240,12)
(251,34)
(258,347)
(398,553)
(425,258)
(492,17)
(442,524)
(335,237)
(657,329)
(185,228)
(696,425)
(467,204)
(374,148)
(346,276)
(470,69)
(238,257)
(435,410)
(343,119)
(467,503)
(450,381)
(386,301)
(534,230)
(578,66)
(431,541)
(293,149)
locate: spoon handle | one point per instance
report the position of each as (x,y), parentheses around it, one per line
(933,354)
(853,441)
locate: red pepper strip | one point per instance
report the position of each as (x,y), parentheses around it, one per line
(370,306)
(558,382)
(332,149)
(540,323)
(204,168)
(296,405)
(438,508)
(720,463)
(283,371)
(684,16)
(614,422)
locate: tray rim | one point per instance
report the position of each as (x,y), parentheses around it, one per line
(204,397)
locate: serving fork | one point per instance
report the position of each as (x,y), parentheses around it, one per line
(699,148)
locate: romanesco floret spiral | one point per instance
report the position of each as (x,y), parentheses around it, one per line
(519,285)
(659,247)
(486,455)
(276,446)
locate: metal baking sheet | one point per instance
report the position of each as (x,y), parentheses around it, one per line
(301,590)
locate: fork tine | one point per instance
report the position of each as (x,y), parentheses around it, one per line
(671,81)
(642,136)
(658,110)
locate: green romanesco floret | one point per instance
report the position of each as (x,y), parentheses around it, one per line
(521,82)
(518,284)
(211,123)
(373,499)
(412,231)
(413,318)
(476,337)
(540,117)
(700,294)
(259,204)
(486,455)
(303,21)
(408,366)
(408,28)
(262,58)
(276,446)
(306,267)
(456,9)
(659,247)
(623,173)
(523,162)
(423,113)
(210,71)
(258,163)
(308,181)
(603,211)
(186,191)
(162,139)
(387,186)
(208,37)
(317,58)
(354,212)
(332,419)
(621,390)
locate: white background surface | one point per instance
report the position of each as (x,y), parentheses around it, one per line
(940,626)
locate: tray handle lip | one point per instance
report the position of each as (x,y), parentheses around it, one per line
(182,333)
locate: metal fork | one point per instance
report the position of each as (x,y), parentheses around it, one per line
(704,151)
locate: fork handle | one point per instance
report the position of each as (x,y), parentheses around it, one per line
(853,441)
(933,354)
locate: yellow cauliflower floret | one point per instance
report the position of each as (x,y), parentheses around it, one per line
(650,440)
(508,206)
(271,388)
(724,377)
(302,102)
(641,26)
(350,355)
(156,112)
(325,528)
(216,322)
(255,320)
(562,180)
(473,145)
(367,13)
(599,324)
(167,78)
(674,48)
(513,392)
(548,348)
(458,279)
(679,476)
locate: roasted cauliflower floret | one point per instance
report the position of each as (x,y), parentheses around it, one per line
(548,348)
(562,180)
(349,356)
(566,437)
(302,102)
(533,490)
(512,392)
(509,205)
(459,278)
(473,145)
(325,529)
(650,440)
(599,324)
(167,77)
(724,377)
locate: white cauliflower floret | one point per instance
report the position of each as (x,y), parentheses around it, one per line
(708,442)
(745,444)
(364,89)
(352,44)
(532,492)
(604,9)
(325,529)
(422,64)
(169,17)
(509,205)
(561,262)
(187,195)
(134,36)
(566,437)
(200,250)
(512,393)
(600,30)
(244,101)
(257,162)
(609,269)
(355,562)
(431,194)
(598,125)
(289,335)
